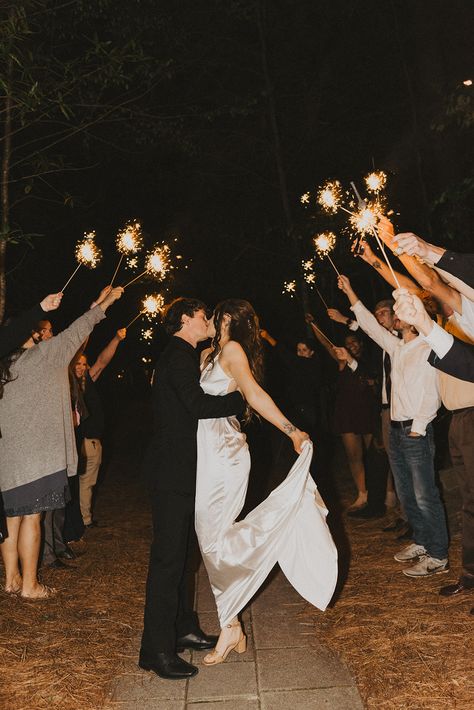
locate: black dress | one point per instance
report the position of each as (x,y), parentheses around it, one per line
(356,408)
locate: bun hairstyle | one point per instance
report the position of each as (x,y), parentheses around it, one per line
(244,328)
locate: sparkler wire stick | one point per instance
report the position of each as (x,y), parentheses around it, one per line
(322,299)
(375,233)
(323,334)
(71,277)
(137,277)
(333,264)
(116,270)
(136,318)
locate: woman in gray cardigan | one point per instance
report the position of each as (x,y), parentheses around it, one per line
(37,448)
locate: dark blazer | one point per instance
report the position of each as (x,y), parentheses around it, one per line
(458,361)
(178,404)
(460,265)
(18,330)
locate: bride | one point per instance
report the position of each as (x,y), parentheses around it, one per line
(289,527)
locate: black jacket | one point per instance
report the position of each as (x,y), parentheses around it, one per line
(178,404)
(458,361)
(460,265)
(18,330)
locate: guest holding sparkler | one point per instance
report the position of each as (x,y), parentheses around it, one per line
(414,403)
(90,421)
(355,412)
(15,332)
(37,452)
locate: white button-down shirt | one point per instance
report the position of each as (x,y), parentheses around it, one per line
(415,392)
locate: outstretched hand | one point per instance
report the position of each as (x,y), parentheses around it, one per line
(410,309)
(336,315)
(344,284)
(386,232)
(309,318)
(121,333)
(409,243)
(342,354)
(51,302)
(298,438)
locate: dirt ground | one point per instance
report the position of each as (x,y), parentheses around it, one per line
(407,647)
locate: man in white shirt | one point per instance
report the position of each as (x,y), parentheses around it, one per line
(414,403)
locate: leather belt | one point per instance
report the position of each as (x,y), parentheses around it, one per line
(460,411)
(401,425)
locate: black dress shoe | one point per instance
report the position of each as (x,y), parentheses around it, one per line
(57,564)
(198,641)
(366,513)
(452,589)
(169,666)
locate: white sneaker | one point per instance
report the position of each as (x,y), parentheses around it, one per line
(411,552)
(427,566)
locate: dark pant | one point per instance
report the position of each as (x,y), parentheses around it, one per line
(412,462)
(53,542)
(376,471)
(170,583)
(461,449)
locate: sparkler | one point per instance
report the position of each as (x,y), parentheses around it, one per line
(129,241)
(152,307)
(157,263)
(87,254)
(324,243)
(375,181)
(310,278)
(289,287)
(304,199)
(330,196)
(147,334)
(368,221)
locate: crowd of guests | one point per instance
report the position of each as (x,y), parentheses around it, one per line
(399,364)
(51,429)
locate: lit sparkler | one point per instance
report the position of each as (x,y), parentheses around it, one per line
(289,287)
(324,243)
(87,254)
(157,264)
(129,241)
(152,306)
(375,181)
(304,199)
(147,334)
(330,196)
(365,220)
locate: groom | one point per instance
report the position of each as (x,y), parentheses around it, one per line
(170,463)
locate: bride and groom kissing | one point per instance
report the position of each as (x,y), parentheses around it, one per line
(198,466)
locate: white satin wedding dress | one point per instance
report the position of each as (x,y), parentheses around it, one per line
(288,527)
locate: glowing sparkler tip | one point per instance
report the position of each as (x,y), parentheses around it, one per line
(147,334)
(376,181)
(153,305)
(87,252)
(289,287)
(129,239)
(158,261)
(324,243)
(365,220)
(304,199)
(310,278)
(330,196)
(307,265)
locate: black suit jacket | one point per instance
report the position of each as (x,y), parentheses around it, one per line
(458,361)
(18,330)
(178,404)
(460,265)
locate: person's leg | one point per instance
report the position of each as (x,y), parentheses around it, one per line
(58,526)
(29,539)
(404,484)
(92,452)
(461,449)
(187,620)
(419,454)
(9,548)
(171,522)
(376,467)
(48,552)
(355,455)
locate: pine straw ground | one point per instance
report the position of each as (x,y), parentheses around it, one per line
(405,646)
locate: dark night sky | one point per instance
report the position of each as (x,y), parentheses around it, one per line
(354,85)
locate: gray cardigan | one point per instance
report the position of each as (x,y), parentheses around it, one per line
(35,411)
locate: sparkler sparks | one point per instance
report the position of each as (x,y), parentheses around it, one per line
(131,263)
(304,199)
(375,181)
(324,243)
(289,287)
(330,196)
(87,252)
(147,334)
(129,240)
(310,279)
(153,305)
(158,262)
(365,220)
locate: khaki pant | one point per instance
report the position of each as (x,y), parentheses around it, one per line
(92,454)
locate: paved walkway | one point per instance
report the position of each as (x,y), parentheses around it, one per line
(284,668)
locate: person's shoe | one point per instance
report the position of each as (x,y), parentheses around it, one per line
(359,502)
(427,566)
(196,641)
(169,666)
(239,646)
(411,552)
(398,524)
(366,513)
(68,554)
(58,564)
(407,535)
(452,590)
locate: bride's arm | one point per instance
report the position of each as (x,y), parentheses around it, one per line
(235,362)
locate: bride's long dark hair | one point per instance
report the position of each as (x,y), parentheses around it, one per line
(244,328)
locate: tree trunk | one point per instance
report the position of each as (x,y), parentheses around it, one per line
(5,191)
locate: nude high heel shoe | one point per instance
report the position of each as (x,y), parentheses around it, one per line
(240,646)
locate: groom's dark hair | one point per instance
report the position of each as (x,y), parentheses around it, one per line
(174,312)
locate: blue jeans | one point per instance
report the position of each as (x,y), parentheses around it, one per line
(412,462)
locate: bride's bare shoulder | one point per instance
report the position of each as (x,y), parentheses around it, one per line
(204,355)
(233,350)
